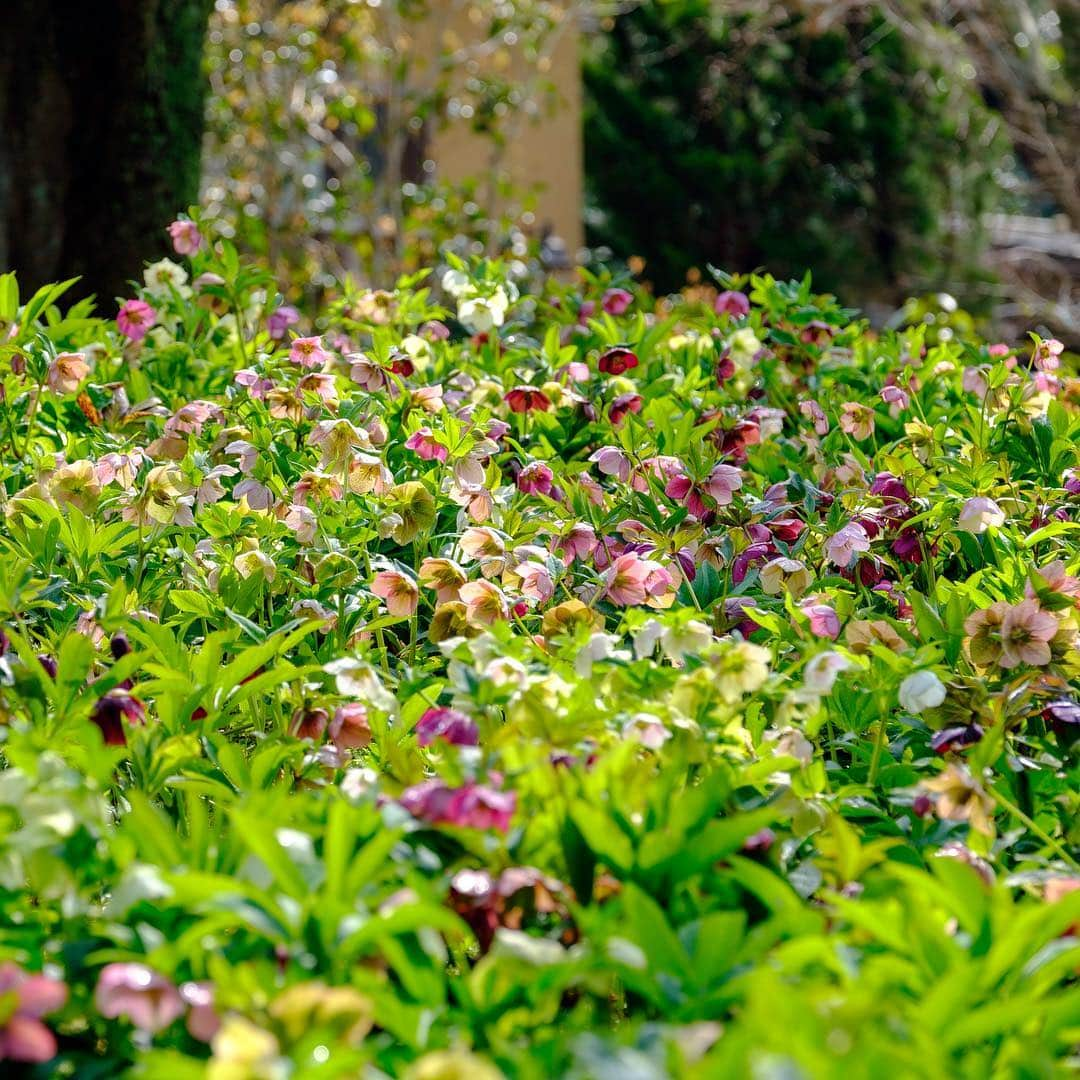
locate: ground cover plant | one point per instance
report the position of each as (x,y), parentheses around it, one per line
(493,684)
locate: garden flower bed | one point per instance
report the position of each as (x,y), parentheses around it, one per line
(522,683)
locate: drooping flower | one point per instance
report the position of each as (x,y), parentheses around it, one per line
(484,602)
(722,483)
(920,691)
(961,798)
(450,725)
(612,461)
(842,547)
(349,729)
(783,574)
(824,622)
(112,709)
(524,399)
(978,514)
(135,319)
(280,319)
(615,301)
(814,412)
(185,236)
(24,1000)
(730,302)
(472,805)
(617,360)
(427,447)
(535,478)
(66,372)
(398,590)
(139,994)
(857,420)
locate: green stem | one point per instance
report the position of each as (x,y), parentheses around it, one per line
(1038,830)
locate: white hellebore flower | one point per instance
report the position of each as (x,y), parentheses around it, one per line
(483,313)
(978,514)
(820,673)
(922,690)
(456,283)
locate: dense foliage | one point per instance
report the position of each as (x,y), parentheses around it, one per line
(532,685)
(770,135)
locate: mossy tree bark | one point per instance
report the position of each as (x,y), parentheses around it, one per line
(101,122)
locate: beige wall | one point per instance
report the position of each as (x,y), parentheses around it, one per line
(545,151)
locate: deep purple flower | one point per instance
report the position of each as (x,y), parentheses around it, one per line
(890,487)
(955,738)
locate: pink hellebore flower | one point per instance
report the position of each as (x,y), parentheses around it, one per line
(349,729)
(1026,632)
(24,999)
(536,582)
(308,352)
(824,622)
(279,321)
(66,372)
(186,238)
(399,591)
(448,724)
(470,806)
(842,547)
(535,478)
(139,993)
(484,602)
(895,395)
(813,411)
(257,385)
(857,420)
(616,301)
(1047,355)
(634,580)
(612,461)
(723,482)
(135,319)
(579,543)
(735,304)
(423,442)
(202,1019)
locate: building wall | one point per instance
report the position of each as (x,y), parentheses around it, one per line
(545,150)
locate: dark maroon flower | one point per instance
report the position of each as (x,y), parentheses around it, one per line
(922,806)
(786,530)
(623,404)
(119,645)
(1063,717)
(403,366)
(617,360)
(955,738)
(523,399)
(48,663)
(443,723)
(110,712)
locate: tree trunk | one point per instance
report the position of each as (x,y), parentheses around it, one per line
(101,121)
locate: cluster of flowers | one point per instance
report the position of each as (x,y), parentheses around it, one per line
(556,593)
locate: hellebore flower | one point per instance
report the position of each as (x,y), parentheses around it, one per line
(110,712)
(978,514)
(66,372)
(1026,633)
(523,399)
(735,304)
(842,547)
(535,478)
(423,442)
(450,725)
(398,590)
(349,729)
(185,236)
(24,999)
(472,806)
(279,321)
(149,1000)
(920,691)
(135,319)
(617,360)
(615,301)
(308,352)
